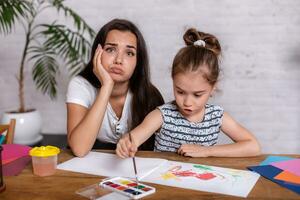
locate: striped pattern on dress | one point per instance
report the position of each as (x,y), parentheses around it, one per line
(177,130)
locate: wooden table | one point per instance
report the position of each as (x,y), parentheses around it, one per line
(63,184)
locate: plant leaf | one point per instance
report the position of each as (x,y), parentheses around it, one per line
(44,71)
(12,10)
(69,45)
(79,23)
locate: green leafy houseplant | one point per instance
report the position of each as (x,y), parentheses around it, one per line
(46,45)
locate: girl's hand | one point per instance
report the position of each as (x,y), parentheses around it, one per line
(125,147)
(98,69)
(192,150)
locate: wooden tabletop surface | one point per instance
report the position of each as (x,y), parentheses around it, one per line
(64,184)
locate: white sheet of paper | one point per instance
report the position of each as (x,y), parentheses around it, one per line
(105,164)
(160,171)
(204,178)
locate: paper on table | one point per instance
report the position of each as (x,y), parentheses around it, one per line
(289,177)
(204,178)
(13,151)
(269,172)
(186,175)
(16,166)
(105,164)
(271,159)
(292,166)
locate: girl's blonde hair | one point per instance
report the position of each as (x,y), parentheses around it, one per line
(201,53)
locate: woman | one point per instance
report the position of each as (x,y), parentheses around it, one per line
(113,93)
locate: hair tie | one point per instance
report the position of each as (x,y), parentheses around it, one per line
(200,43)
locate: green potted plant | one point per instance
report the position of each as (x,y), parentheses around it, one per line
(46,45)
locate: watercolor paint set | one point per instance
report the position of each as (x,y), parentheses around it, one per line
(127,187)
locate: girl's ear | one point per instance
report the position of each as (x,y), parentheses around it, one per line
(214,89)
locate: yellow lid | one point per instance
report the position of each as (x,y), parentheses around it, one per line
(44,151)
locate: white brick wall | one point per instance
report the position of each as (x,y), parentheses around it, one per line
(261,60)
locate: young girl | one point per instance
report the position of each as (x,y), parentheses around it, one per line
(113,93)
(189,125)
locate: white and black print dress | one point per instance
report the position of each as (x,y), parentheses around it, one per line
(177,130)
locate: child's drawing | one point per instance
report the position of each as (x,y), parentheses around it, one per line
(202,173)
(204,177)
(176,173)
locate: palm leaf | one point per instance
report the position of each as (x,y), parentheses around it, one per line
(45,43)
(11,11)
(44,71)
(79,23)
(70,45)
(75,66)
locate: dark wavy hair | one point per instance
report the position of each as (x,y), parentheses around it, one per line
(146,96)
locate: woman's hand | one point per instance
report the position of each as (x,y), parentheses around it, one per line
(193,150)
(98,69)
(125,147)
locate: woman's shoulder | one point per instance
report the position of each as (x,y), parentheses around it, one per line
(80,91)
(80,83)
(79,80)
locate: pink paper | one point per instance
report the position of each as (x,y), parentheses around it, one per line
(292,166)
(15,167)
(8,160)
(14,151)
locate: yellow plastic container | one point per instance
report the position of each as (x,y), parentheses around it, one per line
(44,160)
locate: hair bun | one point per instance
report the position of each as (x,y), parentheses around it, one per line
(191,37)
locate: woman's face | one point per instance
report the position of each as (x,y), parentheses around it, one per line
(119,55)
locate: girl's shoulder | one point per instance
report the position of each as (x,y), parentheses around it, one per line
(168,106)
(213,110)
(214,107)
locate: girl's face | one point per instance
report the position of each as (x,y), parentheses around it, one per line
(191,93)
(119,55)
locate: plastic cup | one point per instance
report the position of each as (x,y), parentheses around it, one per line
(44,160)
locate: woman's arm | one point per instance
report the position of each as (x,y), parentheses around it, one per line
(84,124)
(139,135)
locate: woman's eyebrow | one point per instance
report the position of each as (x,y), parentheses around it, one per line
(130,46)
(114,44)
(111,44)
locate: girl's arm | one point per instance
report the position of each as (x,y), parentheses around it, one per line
(151,123)
(83,124)
(245,143)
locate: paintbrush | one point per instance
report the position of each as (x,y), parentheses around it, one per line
(134,164)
